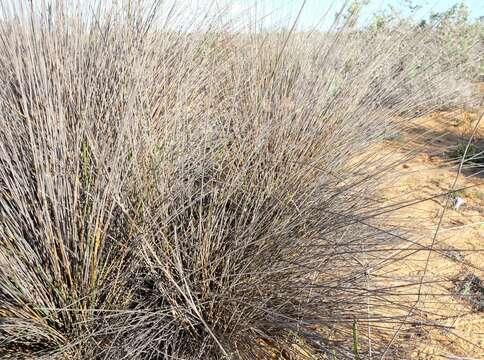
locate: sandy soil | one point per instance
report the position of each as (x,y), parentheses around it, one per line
(451,294)
(439,271)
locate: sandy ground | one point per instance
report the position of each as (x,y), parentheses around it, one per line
(451,294)
(439,271)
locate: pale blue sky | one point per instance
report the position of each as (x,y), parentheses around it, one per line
(317,14)
(310,14)
(316,10)
(320,13)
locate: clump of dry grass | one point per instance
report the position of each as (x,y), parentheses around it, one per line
(201,195)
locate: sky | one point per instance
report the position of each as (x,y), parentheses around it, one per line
(316,14)
(320,13)
(476,7)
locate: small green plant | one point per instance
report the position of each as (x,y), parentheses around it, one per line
(455,121)
(473,155)
(356,350)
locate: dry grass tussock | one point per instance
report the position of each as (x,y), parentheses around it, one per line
(203,195)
